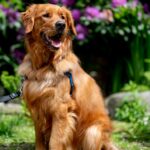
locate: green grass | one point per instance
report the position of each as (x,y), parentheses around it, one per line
(124,141)
(17,133)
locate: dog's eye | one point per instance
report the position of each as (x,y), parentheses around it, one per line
(62,17)
(46,15)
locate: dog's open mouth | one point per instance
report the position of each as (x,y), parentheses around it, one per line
(53,41)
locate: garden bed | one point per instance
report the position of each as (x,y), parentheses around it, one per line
(19,146)
(124,141)
(17,133)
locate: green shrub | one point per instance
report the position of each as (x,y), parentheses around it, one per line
(133,110)
(10,82)
(141,128)
(133,86)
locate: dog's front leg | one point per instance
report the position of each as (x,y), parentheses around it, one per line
(63,126)
(39,145)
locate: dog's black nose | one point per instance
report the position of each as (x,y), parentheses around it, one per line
(60,25)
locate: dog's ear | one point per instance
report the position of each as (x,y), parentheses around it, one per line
(70,21)
(28,18)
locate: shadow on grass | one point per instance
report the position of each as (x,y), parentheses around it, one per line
(19,146)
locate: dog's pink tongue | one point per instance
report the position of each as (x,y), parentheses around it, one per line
(56,43)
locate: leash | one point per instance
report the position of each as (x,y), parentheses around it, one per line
(10,97)
(14,95)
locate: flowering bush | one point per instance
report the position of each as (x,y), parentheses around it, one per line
(11,33)
(81,12)
(111,34)
(105,19)
(115,32)
(116,3)
(11,15)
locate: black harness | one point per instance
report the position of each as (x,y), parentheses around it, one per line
(14,95)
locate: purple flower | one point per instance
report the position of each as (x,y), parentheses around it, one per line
(146,8)
(68,2)
(106,15)
(135,3)
(92,12)
(20,33)
(102,16)
(64,2)
(116,3)
(82,31)
(3,9)
(12,15)
(18,55)
(54,1)
(76,14)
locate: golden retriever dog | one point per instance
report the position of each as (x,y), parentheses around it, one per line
(68,113)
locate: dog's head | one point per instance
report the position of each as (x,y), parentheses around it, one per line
(49,24)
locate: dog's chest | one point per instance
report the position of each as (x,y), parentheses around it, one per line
(52,86)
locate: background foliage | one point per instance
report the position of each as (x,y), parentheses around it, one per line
(135,112)
(112,41)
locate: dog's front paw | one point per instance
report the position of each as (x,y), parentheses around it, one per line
(110,146)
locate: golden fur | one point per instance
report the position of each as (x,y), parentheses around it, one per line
(62,121)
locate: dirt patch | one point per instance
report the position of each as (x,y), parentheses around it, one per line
(20,146)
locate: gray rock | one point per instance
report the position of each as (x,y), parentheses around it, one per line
(10,108)
(115,100)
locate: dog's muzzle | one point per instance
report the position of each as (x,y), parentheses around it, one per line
(60,26)
(53,42)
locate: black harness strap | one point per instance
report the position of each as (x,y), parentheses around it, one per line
(69,75)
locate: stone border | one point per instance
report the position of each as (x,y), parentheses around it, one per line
(114,100)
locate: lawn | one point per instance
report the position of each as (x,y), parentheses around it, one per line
(17,133)
(124,141)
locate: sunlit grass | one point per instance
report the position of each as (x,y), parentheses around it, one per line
(16,129)
(19,134)
(121,138)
